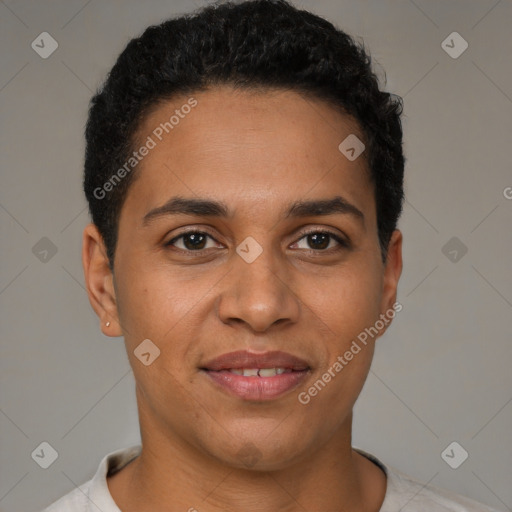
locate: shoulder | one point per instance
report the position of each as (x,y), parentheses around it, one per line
(407,494)
(405,491)
(94,494)
(76,500)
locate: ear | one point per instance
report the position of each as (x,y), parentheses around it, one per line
(99,281)
(392,272)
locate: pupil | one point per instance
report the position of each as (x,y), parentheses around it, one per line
(196,239)
(316,236)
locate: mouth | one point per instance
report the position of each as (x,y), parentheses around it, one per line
(256,377)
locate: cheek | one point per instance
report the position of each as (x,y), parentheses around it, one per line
(346,300)
(153,302)
(162,305)
(348,305)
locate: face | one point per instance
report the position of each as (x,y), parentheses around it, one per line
(260,277)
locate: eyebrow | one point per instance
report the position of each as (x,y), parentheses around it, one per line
(210,208)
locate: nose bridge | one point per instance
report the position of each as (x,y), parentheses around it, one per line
(257,292)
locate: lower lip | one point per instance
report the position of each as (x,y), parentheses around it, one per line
(257,388)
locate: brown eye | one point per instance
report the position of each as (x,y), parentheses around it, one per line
(193,241)
(321,241)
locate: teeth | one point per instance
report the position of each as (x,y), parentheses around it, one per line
(267,372)
(250,372)
(261,372)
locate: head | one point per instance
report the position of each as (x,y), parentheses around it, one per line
(244,106)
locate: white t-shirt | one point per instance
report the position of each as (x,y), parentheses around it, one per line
(403,493)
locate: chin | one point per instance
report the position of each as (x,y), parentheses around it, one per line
(260,452)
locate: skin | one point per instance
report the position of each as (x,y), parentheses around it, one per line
(257,152)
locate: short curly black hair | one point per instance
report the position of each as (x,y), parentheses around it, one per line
(256,44)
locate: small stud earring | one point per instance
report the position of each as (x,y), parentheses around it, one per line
(107,324)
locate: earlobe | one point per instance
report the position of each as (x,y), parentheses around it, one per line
(99,281)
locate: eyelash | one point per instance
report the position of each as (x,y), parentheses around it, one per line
(344,244)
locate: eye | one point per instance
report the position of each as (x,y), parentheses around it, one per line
(193,241)
(319,240)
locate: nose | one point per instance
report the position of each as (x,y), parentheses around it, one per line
(258,294)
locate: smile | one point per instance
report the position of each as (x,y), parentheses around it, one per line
(256,376)
(257,384)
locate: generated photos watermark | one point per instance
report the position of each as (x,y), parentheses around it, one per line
(304,397)
(157,135)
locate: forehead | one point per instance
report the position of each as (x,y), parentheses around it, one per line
(256,149)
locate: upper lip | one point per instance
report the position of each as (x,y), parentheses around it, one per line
(245,359)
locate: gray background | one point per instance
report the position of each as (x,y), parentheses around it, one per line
(441,372)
